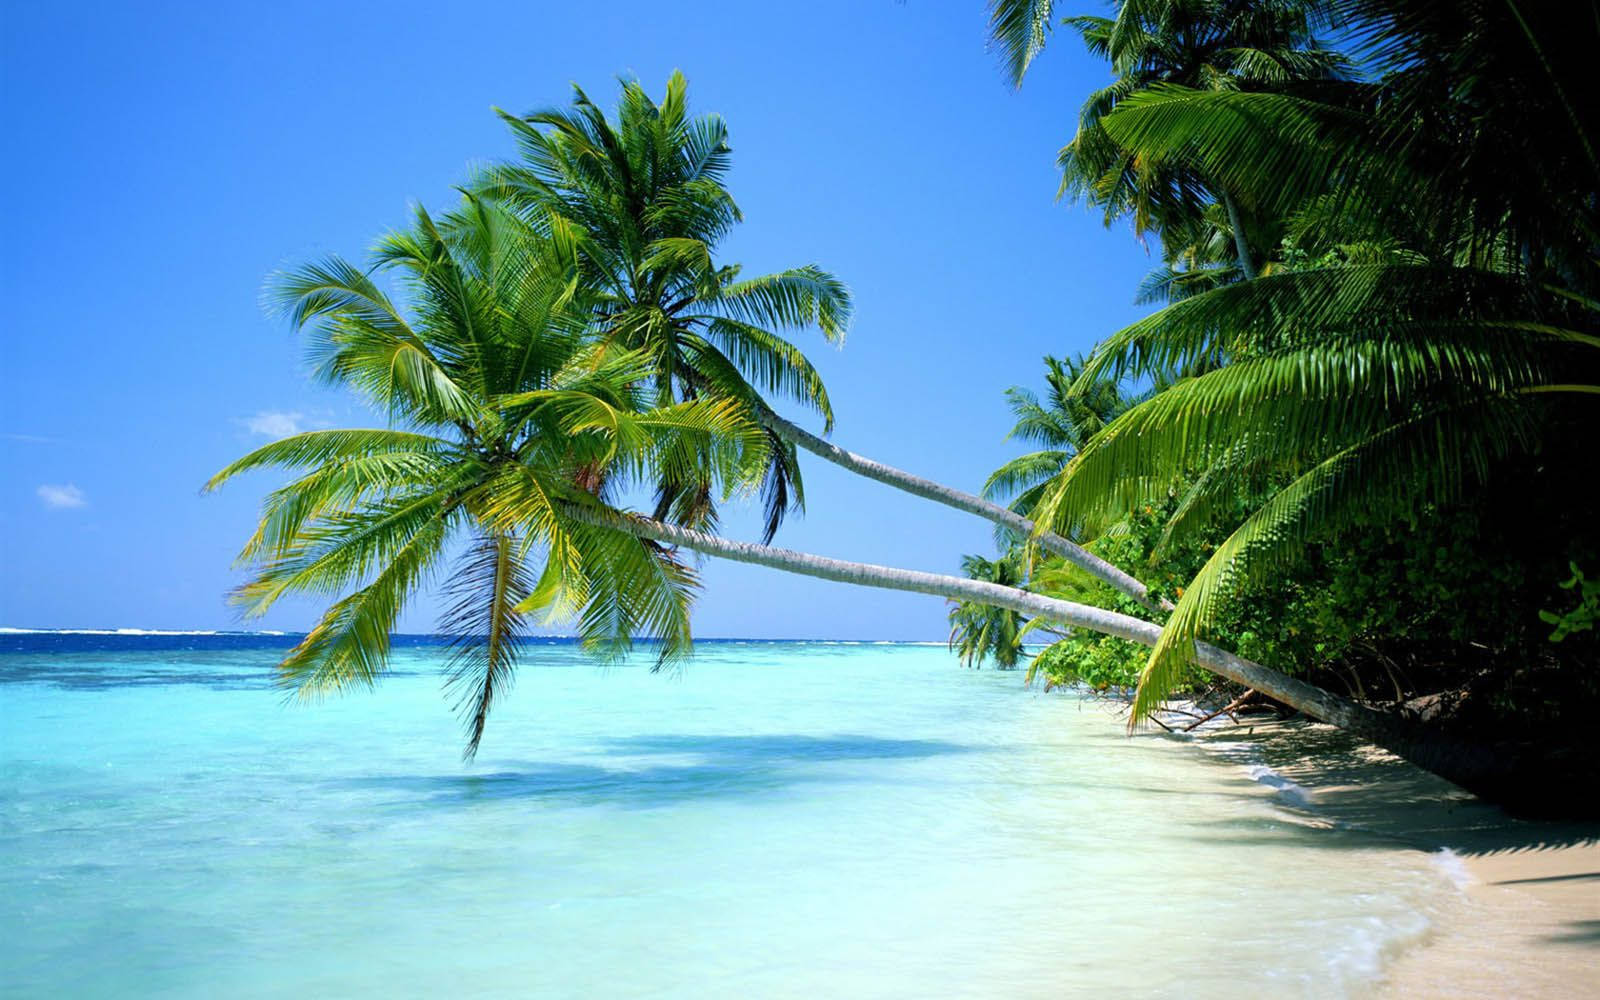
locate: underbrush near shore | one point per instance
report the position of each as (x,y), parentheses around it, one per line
(1453,615)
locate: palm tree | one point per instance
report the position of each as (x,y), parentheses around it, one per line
(511,431)
(1219,45)
(646,192)
(1364,388)
(980,631)
(1063,422)
(494,397)
(510,427)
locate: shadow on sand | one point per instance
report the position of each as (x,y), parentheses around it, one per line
(1333,777)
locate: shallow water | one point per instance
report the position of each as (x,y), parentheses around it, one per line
(793,819)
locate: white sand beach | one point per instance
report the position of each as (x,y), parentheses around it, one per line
(1530,923)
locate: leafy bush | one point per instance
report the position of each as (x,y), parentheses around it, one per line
(1580,618)
(1436,599)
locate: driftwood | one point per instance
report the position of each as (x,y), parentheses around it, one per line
(1224,710)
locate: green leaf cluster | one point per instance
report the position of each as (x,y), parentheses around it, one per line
(1580,618)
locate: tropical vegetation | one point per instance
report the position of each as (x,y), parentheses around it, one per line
(979,631)
(1419,357)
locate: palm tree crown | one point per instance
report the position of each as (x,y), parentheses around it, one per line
(1216,45)
(504,417)
(646,191)
(1063,422)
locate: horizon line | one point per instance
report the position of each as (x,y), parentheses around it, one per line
(132,632)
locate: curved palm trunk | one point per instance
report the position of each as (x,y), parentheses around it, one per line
(1479,768)
(962,501)
(1308,698)
(1241,245)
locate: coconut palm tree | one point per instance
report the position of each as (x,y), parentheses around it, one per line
(494,396)
(511,432)
(1360,389)
(645,190)
(1063,422)
(981,631)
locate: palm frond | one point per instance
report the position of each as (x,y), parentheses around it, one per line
(349,646)
(1020,28)
(486,629)
(795,298)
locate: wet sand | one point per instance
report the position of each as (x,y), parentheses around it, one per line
(1529,925)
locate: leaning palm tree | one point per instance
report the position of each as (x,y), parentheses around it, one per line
(511,432)
(646,191)
(494,396)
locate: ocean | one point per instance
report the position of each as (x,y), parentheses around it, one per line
(775,819)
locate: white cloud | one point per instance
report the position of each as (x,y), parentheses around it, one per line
(62,497)
(275,423)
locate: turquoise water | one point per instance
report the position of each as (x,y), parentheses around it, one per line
(777,820)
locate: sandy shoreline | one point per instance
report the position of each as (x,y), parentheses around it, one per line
(1530,923)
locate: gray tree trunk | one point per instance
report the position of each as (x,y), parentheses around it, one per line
(1241,244)
(967,502)
(1308,698)
(1476,767)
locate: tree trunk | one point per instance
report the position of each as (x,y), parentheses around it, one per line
(1307,698)
(1478,767)
(939,493)
(1241,244)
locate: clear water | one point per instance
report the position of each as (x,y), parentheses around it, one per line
(779,820)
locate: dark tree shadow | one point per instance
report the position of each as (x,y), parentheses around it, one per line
(1586,932)
(1328,775)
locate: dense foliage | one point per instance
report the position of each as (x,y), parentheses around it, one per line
(1425,333)
(1446,612)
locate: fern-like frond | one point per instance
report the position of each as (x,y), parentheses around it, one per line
(486,629)
(795,298)
(349,647)
(317,448)
(1020,29)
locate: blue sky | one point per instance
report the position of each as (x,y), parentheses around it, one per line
(163,159)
